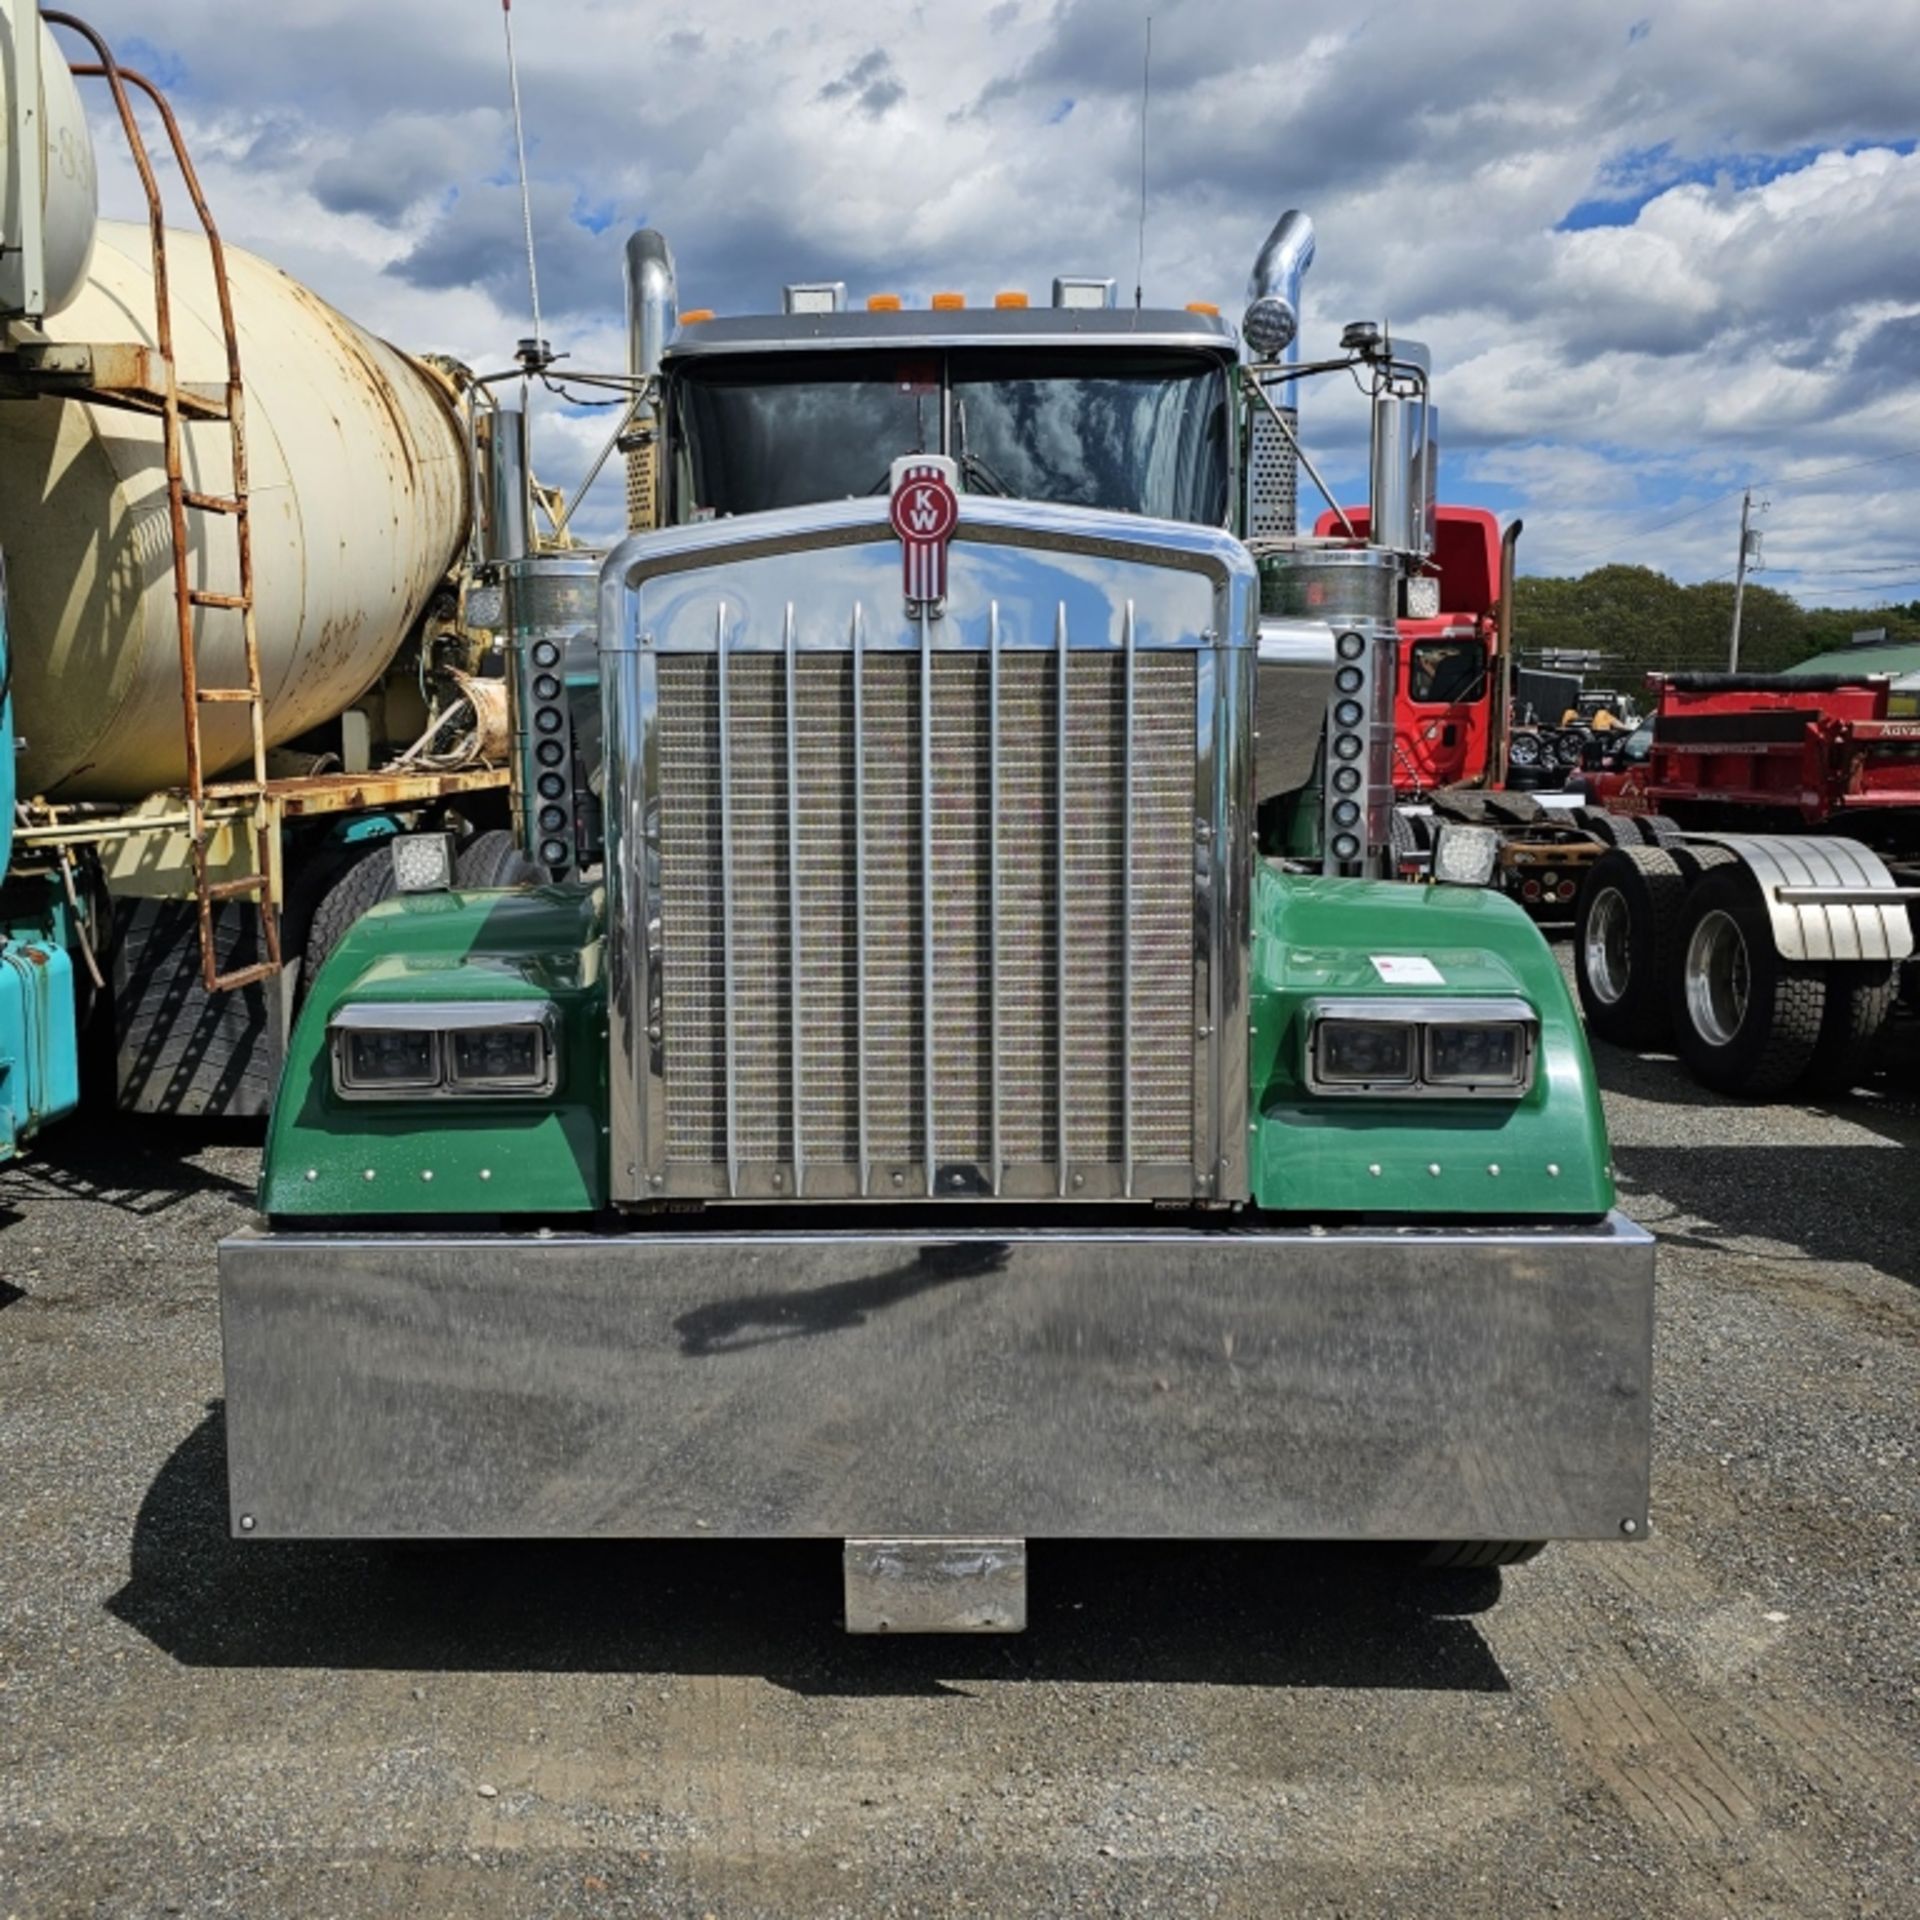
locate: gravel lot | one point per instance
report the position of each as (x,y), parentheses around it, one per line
(1724,1721)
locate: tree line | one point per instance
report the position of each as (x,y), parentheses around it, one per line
(1649,622)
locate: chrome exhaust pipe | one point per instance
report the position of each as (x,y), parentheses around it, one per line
(1271,323)
(653,310)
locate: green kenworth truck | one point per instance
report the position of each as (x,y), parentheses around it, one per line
(952,1075)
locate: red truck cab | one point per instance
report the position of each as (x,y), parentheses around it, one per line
(1449,665)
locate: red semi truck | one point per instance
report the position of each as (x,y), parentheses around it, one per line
(1768,935)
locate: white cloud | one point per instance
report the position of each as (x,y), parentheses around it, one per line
(1758,317)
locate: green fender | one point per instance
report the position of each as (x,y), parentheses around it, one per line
(1544,1155)
(450,1156)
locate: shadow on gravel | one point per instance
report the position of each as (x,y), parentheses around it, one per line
(9,1294)
(1832,1203)
(1236,1615)
(1660,1078)
(136,1165)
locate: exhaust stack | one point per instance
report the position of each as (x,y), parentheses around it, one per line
(653,310)
(1271,328)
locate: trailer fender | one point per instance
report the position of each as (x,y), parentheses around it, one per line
(1826,898)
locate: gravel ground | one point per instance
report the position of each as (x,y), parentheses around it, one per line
(1724,1721)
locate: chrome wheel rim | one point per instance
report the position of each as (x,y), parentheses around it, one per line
(1609,956)
(1719,978)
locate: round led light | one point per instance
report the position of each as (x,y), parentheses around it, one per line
(552,819)
(1350,646)
(1345,847)
(546,653)
(1348,714)
(553,852)
(552,787)
(1346,779)
(545,687)
(550,753)
(1269,325)
(1346,813)
(486,608)
(1346,746)
(1349,679)
(547,720)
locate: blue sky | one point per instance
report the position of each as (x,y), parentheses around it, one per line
(1658,254)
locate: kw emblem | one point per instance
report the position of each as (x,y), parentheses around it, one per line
(925,512)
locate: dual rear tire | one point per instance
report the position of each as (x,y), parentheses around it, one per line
(1674,946)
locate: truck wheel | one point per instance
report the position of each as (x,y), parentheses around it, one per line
(1624,941)
(364,884)
(1745,1020)
(493,859)
(1860,996)
(1657,830)
(1478,1553)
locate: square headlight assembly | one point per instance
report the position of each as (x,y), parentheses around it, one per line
(1480,1056)
(1359,1053)
(505,1059)
(376,1060)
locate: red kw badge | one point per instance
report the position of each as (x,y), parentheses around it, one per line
(925,511)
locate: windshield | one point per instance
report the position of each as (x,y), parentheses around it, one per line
(1131,433)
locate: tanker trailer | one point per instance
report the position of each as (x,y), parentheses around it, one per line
(236,529)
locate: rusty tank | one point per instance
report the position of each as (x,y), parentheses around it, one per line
(360,500)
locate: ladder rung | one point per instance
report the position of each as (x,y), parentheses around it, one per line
(214,502)
(225,693)
(245,977)
(200,597)
(236,889)
(233,790)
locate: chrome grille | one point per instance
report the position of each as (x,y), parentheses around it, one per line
(1048,895)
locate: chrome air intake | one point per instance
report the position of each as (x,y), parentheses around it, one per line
(949,907)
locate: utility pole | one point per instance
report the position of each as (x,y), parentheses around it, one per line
(1740,581)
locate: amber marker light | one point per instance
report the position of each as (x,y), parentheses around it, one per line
(694,315)
(1010,299)
(1204,306)
(948,302)
(883,303)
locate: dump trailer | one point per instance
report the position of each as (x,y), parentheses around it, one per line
(238,534)
(980,1084)
(1764,926)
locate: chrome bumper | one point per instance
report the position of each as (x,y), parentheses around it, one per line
(1345,1384)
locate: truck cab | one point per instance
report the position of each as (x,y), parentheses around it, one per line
(972,1084)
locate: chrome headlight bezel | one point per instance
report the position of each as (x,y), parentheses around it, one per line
(439,1022)
(1422,1016)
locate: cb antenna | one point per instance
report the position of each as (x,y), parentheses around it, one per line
(534,354)
(1146,96)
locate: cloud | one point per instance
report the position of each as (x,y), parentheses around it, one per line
(1654,257)
(870,83)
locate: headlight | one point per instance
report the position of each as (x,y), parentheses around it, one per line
(1366,1053)
(1489,1054)
(395,1050)
(1454,1049)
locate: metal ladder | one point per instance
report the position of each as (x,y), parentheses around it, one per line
(242,802)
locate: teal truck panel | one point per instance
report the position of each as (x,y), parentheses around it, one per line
(450,1155)
(1544,1154)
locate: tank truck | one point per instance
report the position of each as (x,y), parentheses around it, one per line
(240,650)
(978,1083)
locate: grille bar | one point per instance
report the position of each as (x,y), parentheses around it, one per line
(726,900)
(1062,1097)
(797,1025)
(1126,914)
(860,894)
(993,889)
(929,1069)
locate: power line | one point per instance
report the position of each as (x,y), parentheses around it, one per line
(1659,526)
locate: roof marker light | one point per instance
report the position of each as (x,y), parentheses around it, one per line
(1009,298)
(948,302)
(694,315)
(883,303)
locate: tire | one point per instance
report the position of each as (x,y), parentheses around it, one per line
(1657,830)
(1479,1553)
(364,884)
(1745,1021)
(493,860)
(1611,829)
(1625,942)
(1860,998)
(1693,861)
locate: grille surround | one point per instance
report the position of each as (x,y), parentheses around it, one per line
(773,983)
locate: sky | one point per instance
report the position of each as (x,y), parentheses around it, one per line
(1660,253)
